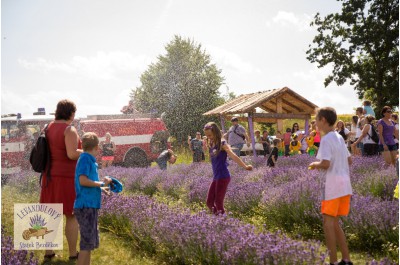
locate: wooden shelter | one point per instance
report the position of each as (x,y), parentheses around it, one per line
(277,105)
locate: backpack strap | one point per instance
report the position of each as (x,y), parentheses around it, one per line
(241,135)
(48,160)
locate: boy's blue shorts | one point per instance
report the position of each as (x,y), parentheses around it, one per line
(88,227)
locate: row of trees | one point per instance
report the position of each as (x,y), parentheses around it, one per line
(361,43)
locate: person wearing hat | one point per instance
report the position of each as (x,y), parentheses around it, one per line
(237,136)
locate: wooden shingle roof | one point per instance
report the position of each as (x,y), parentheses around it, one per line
(292,103)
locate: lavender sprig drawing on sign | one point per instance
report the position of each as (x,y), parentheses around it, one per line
(37,222)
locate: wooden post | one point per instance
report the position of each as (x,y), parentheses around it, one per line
(306,127)
(221,117)
(253,142)
(279,122)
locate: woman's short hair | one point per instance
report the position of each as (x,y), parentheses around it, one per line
(65,109)
(108,134)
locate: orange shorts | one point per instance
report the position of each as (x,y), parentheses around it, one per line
(107,158)
(336,207)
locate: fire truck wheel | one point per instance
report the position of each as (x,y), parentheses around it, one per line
(136,158)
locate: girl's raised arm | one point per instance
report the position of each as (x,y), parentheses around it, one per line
(235,158)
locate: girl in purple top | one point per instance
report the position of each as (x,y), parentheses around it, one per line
(219,150)
(386,130)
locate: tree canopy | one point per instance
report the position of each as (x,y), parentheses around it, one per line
(183,84)
(361,43)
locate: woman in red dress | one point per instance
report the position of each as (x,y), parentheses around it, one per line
(65,148)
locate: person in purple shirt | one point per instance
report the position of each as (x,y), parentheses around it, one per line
(219,150)
(386,131)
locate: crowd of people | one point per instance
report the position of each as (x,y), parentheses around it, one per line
(364,136)
(74,180)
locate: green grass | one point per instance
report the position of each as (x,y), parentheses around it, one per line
(112,250)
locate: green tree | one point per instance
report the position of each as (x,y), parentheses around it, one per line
(361,43)
(183,84)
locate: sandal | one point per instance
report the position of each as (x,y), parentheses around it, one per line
(49,256)
(74,257)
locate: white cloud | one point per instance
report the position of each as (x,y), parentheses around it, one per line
(310,84)
(229,60)
(288,19)
(103,65)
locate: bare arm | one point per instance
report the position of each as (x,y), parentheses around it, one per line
(71,143)
(323,164)
(273,159)
(226,135)
(380,131)
(86,182)
(349,160)
(235,158)
(363,133)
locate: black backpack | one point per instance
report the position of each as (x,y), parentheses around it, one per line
(40,156)
(374,135)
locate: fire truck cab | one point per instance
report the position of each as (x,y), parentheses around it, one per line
(139,138)
(18,135)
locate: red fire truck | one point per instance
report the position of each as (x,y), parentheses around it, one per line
(139,138)
(17,138)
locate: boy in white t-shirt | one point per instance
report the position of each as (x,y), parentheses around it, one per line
(334,161)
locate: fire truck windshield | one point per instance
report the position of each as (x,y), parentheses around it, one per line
(16,129)
(9,129)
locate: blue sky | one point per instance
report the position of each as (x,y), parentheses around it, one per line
(94,51)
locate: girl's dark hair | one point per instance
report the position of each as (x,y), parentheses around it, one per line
(384,109)
(217,141)
(355,119)
(65,109)
(293,127)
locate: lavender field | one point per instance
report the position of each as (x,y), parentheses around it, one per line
(273,214)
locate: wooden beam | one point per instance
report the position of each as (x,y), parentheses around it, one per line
(282,116)
(276,105)
(291,105)
(267,109)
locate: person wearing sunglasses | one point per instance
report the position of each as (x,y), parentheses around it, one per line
(386,131)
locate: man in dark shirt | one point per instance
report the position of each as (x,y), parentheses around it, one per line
(166,156)
(196,145)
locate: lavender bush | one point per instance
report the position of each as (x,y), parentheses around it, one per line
(282,198)
(286,197)
(11,256)
(187,238)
